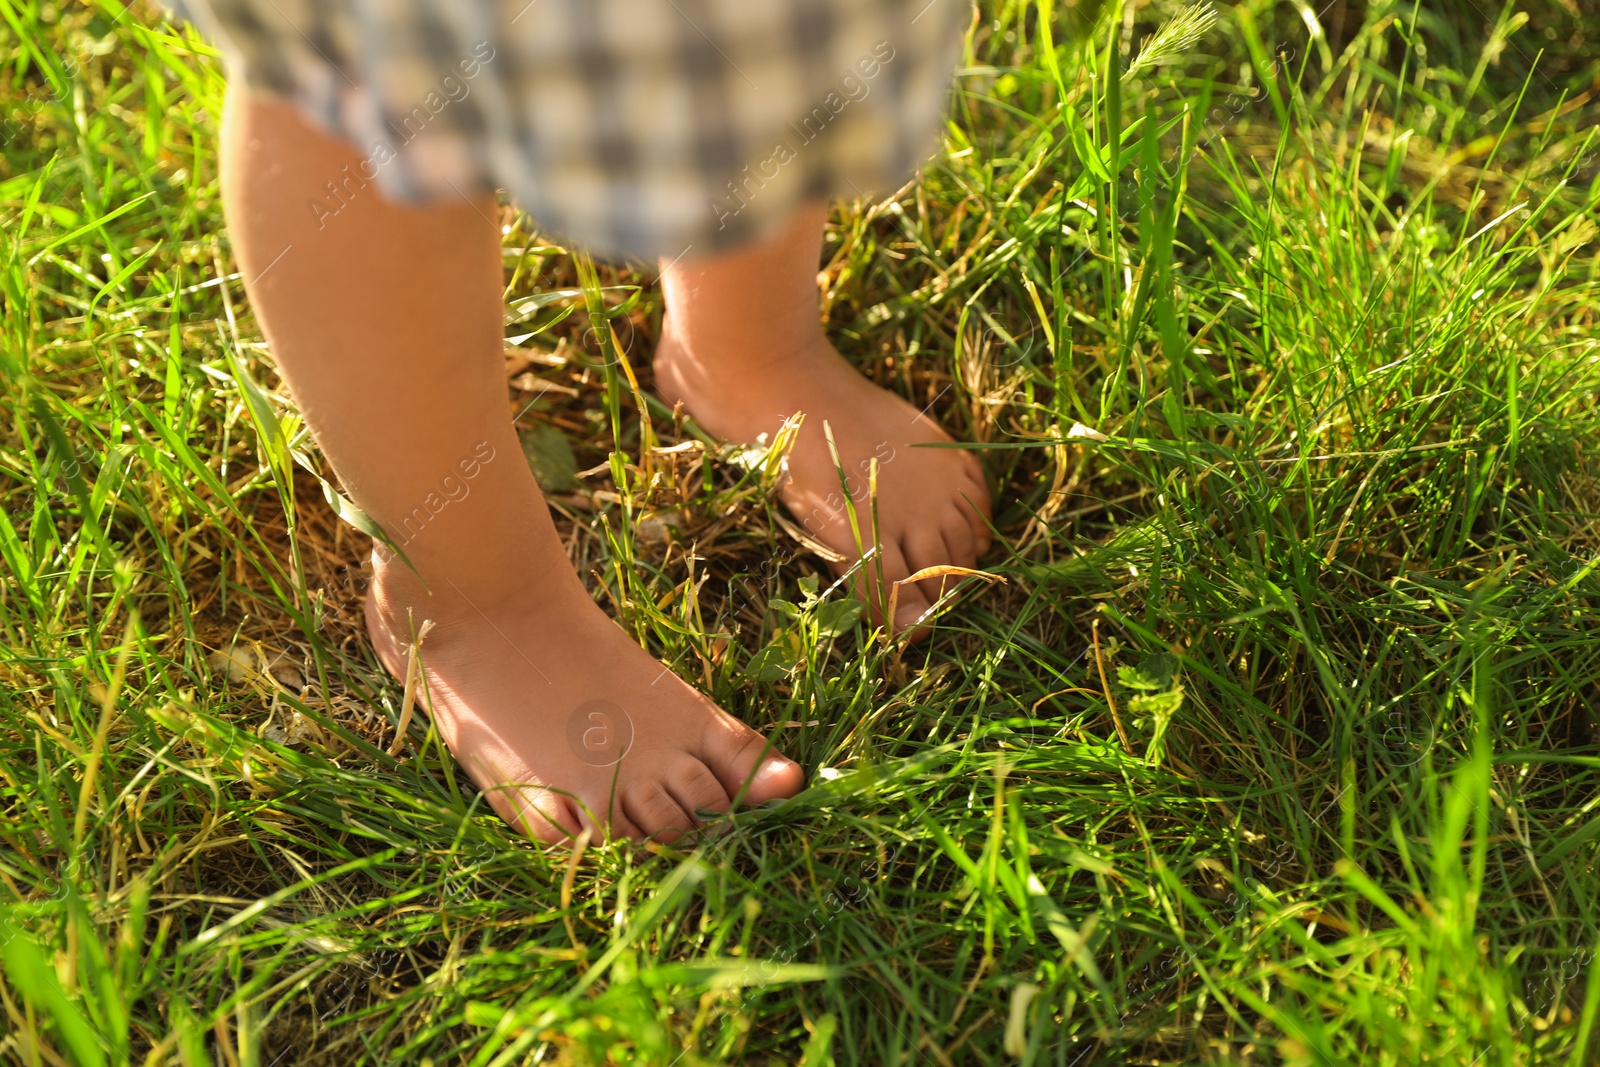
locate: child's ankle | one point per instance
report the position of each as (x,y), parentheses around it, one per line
(724,366)
(402,599)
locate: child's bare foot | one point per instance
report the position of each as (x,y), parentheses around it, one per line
(743,347)
(388,326)
(563,720)
(932,502)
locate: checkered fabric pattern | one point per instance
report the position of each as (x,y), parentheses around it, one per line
(634,127)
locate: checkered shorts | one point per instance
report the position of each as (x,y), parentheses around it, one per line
(634,127)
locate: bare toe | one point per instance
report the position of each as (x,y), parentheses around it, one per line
(979,513)
(608,820)
(697,790)
(733,750)
(537,813)
(653,809)
(910,617)
(875,579)
(959,540)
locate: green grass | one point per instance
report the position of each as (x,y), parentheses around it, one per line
(1275,746)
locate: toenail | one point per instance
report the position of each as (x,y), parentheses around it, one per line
(771,769)
(599,733)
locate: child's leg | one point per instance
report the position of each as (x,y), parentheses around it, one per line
(386,322)
(743,347)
